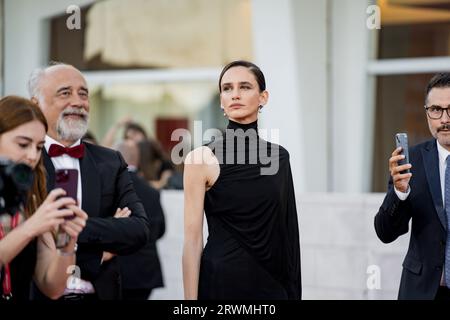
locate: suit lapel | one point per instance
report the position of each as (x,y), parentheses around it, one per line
(91,188)
(431,166)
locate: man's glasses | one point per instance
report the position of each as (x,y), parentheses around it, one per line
(436,112)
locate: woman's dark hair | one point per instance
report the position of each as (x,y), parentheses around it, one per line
(250,66)
(151,159)
(89,137)
(440,80)
(16,111)
(136,127)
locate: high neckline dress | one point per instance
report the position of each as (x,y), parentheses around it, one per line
(253,247)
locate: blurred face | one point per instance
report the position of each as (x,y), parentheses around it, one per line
(64,100)
(241,96)
(134,135)
(440,128)
(24,143)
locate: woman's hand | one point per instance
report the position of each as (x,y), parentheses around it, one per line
(74,226)
(122,213)
(124,121)
(50,214)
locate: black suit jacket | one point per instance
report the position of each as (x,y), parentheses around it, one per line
(423,264)
(106,186)
(142,269)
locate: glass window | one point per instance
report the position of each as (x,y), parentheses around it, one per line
(414,28)
(117,34)
(399,108)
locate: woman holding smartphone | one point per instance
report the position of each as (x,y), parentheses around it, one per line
(27,245)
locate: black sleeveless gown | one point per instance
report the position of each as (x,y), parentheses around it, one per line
(253,247)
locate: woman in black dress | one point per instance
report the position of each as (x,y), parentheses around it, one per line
(27,246)
(244,185)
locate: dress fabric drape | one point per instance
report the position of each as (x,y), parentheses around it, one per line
(253,247)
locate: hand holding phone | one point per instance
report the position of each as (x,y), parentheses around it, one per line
(399,160)
(401,140)
(66,179)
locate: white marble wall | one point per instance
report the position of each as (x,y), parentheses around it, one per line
(338,244)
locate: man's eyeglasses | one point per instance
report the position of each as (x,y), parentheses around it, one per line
(436,112)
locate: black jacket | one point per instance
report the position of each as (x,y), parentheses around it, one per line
(106,186)
(142,269)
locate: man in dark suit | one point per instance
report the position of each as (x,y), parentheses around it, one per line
(62,94)
(423,196)
(141,271)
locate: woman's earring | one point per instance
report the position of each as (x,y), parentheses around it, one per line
(260,108)
(223,109)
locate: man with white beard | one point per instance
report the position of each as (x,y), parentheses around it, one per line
(61,92)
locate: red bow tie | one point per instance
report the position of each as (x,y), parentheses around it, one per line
(56,150)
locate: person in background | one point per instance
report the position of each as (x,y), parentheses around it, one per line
(27,245)
(155,166)
(110,136)
(141,271)
(131,131)
(89,137)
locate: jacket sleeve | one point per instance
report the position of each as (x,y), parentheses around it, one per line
(156,216)
(392,219)
(119,235)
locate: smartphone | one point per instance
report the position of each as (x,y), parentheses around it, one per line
(401,140)
(66,179)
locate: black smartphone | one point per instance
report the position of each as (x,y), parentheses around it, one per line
(66,179)
(401,140)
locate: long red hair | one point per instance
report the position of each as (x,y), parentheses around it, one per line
(15,111)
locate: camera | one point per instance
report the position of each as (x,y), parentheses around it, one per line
(15,181)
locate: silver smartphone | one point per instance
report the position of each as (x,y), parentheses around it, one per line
(401,140)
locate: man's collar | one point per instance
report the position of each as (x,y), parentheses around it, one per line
(132,168)
(49,141)
(442,152)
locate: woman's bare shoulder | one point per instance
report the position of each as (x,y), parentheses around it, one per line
(201,156)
